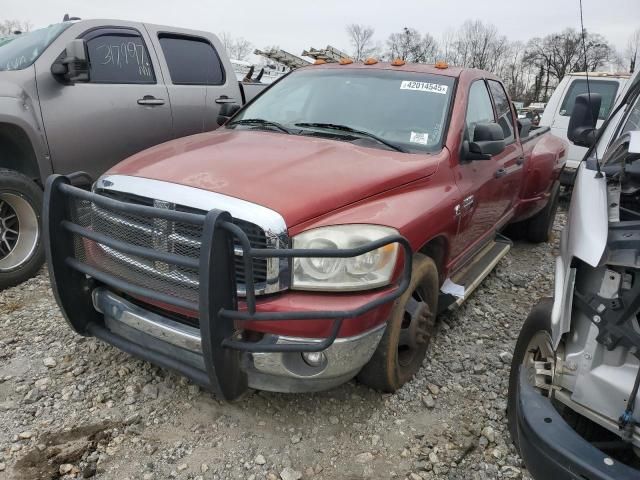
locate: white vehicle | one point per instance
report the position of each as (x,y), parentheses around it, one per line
(574,402)
(558,110)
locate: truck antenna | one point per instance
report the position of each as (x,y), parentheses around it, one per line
(586,71)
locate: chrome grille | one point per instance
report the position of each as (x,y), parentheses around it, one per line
(162,235)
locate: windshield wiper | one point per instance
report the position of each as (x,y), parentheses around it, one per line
(345,128)
(259,122)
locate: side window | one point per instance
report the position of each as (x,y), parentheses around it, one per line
(503,109)
(119,58)
(479,109)
(192,61)
(607,88)
(633,120)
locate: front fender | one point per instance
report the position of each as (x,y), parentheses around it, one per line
(584,237)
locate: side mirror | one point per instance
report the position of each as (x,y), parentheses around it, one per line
(524,127)
(74,67)
(582,124)
(488,140)
(227,110)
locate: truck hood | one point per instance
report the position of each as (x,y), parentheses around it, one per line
(300,177)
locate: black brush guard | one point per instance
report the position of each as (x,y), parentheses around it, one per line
(73,281)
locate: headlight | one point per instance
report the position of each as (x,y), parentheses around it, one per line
(369,270)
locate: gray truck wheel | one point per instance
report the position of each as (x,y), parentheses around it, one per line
(21,249)
(410,327)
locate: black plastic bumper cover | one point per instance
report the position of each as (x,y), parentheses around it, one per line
(217,306)
(551,449)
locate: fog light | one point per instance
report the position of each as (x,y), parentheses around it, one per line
(314,359)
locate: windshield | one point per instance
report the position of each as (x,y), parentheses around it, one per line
(383,108)
(21,51)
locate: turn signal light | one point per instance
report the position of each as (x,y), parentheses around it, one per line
(370,61)
(319,61)
(345,61)
(398,62)
(441,65)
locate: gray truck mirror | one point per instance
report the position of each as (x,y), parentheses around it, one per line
(74,67)
(582,124)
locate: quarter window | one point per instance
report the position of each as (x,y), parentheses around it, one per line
(119,58)
(633,120)
(606,88)
(479,109)
(503,110)
(192,61)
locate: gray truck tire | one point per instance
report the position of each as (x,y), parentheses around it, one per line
(21,248)
(540,226)
(410,327)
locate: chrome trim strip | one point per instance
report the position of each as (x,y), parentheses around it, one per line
(273,224)
(117,309)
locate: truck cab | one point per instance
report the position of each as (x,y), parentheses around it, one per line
(84,95)
(558,110)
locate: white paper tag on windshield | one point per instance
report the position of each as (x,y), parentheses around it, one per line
(424,87)
(421,138)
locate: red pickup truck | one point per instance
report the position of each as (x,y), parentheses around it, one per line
(313,238)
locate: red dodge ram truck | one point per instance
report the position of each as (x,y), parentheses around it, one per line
(313,238)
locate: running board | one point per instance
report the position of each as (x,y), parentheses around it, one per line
(471,275)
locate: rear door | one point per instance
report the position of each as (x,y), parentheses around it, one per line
(121,110)
(196,78)
(509,163)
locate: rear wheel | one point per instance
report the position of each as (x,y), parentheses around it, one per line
(21,249)
(409,329)
(534,352)
(539,227)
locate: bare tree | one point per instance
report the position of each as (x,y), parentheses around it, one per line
(633,48)
(478,45)
(7,27)
(361,38)
(411,46)
(237,48)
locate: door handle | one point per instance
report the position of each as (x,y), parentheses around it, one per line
(224,99)
(501,172)
(520,161)
(150,100)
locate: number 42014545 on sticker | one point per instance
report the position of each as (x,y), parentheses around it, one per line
(424,87)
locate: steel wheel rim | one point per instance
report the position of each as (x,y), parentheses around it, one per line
(19,231)
(539,362)
(415,329)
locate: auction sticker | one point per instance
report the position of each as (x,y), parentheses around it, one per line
(421,138)
(424,87)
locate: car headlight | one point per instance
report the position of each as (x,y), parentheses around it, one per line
(369,270)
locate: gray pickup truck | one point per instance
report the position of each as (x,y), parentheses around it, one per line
(83,95)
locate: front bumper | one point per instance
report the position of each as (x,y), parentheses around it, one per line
(551,449)
(229,358)
(150,332)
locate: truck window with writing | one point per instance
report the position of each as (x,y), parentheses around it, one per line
(503,109)
(119,58)
(479,108)
(607,88)
(192,61)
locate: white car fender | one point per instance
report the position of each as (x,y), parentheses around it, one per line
(584,237)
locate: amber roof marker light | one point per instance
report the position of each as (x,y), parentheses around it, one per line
(441,64)
(319,61)
(370,61)
(345,61)
(398,62)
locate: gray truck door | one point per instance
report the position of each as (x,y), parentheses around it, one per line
(196,78)
(122,109)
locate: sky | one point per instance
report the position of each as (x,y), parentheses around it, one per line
(295,25)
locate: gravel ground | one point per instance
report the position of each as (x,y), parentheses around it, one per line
(73,407)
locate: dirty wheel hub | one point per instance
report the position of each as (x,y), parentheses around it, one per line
(417,324)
